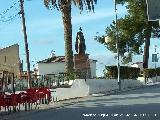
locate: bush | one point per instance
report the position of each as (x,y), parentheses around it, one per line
(125,72)
(151,72)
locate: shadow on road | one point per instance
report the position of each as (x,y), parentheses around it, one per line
(117,112)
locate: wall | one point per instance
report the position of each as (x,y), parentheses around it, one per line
(81,88)
(154,79)
(93,68)
(78,89)
(149,80)
(50,68)
(103,85)
(9,59)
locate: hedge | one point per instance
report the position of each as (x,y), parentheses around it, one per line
(126,72)
(151,72)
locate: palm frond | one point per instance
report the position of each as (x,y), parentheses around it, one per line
(59,4)
(50,4)
(89,4)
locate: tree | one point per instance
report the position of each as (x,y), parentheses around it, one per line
(65,7)
(134,30)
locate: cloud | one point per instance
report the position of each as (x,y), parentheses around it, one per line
(44,42)
(55,23)
(100,14)
(103,60)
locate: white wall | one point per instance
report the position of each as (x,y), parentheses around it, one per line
(93,69)
(149,80)
(103,85)
(80,88)
(50,68)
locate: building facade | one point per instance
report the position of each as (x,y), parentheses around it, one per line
(9,59)
(56,64)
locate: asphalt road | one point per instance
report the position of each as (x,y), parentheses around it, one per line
(140,104)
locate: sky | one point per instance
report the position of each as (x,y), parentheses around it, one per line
(45,30)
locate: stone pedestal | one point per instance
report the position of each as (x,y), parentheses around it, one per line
(82,65)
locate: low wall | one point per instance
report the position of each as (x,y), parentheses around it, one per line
(78,89)
(154,79)
(103,85)
(81,88)
(131,83)
(149,80)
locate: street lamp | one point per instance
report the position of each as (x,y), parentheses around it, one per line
(108,40)
(117,45)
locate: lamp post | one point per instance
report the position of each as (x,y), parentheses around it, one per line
(117,45)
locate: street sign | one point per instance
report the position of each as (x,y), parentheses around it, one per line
(153,10)
(154,58)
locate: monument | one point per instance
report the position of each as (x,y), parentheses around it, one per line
(81,59)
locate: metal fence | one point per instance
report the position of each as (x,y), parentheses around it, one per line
(52,81)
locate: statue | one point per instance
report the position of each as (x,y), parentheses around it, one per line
(80,46)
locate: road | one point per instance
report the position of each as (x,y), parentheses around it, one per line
(140,104)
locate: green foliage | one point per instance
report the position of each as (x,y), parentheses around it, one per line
(71,76)
(125,72)
(151,72)
(132,30)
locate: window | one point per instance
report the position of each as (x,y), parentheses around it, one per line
(5,59)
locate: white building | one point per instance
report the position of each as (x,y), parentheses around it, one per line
(138,65)
(56,64)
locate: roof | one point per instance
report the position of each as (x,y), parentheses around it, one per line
(56,59)
(137,63)
(14,45)
(92,60)
(53,59)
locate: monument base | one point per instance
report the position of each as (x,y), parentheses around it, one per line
(82,65)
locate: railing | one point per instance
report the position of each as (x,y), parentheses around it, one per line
(51,81)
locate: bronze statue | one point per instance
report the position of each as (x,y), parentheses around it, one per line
(80,46)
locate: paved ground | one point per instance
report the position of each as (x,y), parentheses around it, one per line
(140,104)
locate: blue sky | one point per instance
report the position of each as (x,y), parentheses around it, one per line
(45,30)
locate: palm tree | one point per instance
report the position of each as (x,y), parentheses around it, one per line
(65,7)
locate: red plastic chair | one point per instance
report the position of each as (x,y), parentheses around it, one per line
(44,94)
(2,101)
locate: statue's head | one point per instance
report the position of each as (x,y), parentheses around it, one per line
(80,29)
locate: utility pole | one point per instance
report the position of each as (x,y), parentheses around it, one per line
(25,41)
(117,45)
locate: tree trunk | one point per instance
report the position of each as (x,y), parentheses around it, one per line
(66,15)
(147,45)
